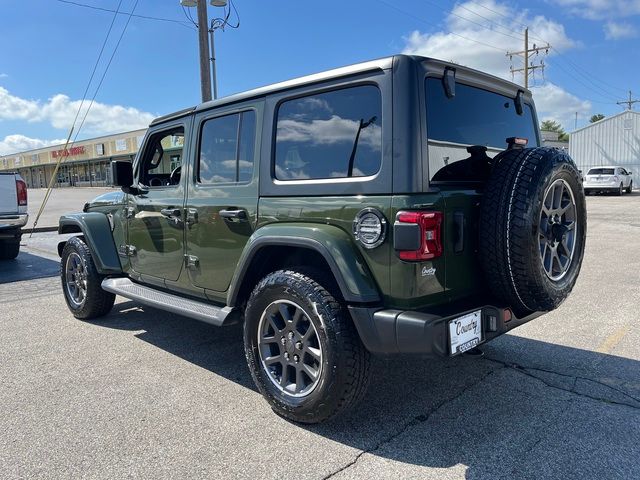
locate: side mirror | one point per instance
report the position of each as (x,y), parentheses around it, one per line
(122,173)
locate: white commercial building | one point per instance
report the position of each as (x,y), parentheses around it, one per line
(612,141)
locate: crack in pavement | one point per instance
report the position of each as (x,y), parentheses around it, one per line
(526,371)
(417,420)
(422,418)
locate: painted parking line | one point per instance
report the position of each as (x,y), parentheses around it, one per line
(612,340)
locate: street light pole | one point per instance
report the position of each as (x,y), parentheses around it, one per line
(213,61)
(203,43)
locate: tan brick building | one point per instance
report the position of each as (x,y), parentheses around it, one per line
(84,164)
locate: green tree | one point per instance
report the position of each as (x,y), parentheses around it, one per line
(595,118)
(553,126)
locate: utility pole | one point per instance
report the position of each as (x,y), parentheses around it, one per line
(575,124)
(629,102)
(526,54)
(203,43)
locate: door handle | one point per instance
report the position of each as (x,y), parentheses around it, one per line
(240,215)
(171,212)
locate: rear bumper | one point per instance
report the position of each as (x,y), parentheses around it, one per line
(397,331)
(601,186)
(11,224)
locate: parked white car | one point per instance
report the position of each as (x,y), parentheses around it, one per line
(608,179)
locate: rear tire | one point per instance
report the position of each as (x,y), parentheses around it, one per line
(9,249)
(81,282)
(302,349)
(533,228)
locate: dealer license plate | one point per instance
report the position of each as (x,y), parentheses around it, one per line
(465,332)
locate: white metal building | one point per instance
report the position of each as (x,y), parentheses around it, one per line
(614,140)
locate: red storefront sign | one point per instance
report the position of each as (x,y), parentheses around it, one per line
(68,152)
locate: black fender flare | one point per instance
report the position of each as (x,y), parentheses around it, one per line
(333,244)
(96,229)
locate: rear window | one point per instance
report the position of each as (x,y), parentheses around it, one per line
(472,118)
(601,171)
(335,134)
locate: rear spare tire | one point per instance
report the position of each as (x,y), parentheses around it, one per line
(533,228)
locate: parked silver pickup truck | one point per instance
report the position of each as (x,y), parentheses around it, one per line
(13,213)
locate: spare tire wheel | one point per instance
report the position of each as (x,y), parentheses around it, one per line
(533,228)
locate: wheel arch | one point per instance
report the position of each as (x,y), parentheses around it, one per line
(96,229)
(325,246)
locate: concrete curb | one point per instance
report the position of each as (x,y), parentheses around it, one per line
(28,230)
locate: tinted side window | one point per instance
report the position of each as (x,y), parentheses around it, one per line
(474,117)
(335,134)
(226,149)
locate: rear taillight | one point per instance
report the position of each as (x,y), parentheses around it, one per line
(429,231)
(21,190)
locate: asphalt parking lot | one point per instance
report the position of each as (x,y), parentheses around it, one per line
(145,394)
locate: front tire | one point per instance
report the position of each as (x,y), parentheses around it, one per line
(630,187)
(302,349)
(81,282)
(619,191)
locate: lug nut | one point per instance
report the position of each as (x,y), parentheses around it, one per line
(283,341)
(299,345)
(290,334)
(286,355)
(296,358)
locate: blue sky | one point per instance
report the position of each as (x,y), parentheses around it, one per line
(50,47)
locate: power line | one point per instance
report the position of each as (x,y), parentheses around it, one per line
(451,12)
(104,74)
(66,145)
(188,16)
(95,66)
(587,74)
(602,86)
(146,17)
(493,11)
(599,92)
(490,21)
(436,25)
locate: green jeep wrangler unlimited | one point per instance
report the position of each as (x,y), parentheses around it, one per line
(402,205)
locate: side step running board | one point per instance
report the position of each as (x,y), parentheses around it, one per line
(166,301)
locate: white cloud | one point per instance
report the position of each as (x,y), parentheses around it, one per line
(20,143)
(327,132)
(618,30)
(554,103)
(60,111)
(601,9)
(4,75)
(449,44)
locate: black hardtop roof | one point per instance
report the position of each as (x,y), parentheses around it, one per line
(357,68)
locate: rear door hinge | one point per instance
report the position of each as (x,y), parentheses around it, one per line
(191,261)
